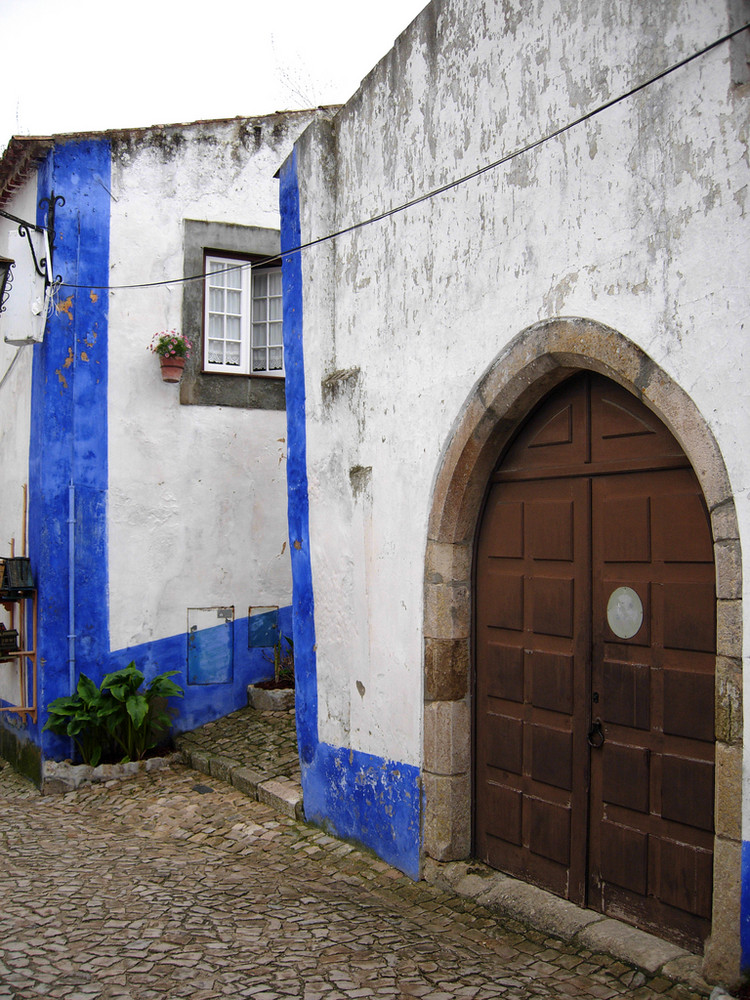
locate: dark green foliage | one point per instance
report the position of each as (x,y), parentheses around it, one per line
(116,720)
(283,661)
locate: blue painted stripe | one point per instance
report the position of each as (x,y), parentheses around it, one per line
(69,422)
(358,796)
(745,911)
(306,697)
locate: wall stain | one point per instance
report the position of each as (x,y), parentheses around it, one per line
(66,306)
(69,360)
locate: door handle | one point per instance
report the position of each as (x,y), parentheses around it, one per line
(596,734)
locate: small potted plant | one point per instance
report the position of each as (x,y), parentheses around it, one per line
(173,348)
(276,695)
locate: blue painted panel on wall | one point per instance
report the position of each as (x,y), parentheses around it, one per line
(210,654)
(263,629)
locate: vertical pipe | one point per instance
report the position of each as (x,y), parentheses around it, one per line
(71,587)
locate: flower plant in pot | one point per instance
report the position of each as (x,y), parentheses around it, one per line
(173,349)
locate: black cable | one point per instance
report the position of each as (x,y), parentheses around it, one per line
(451,184)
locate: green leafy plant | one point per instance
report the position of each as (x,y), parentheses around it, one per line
(170,344)
(283,661)
(116,719)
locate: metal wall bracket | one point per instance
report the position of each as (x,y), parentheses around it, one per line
(42,265)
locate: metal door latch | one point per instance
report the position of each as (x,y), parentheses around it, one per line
(596,734)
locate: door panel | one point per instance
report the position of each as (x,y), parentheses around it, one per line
(663,795)
(595,620)
(532,644)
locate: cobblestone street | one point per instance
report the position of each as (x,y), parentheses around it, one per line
(175,885)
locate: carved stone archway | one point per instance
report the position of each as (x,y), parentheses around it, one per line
(525,371)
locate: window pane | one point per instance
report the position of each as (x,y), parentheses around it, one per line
(259,359)
(226,319)
(275,355)
(259,335)
(274,308)
(275,334)
(260,284)
(260,309)
(274,282)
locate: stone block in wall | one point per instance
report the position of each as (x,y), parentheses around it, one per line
(728,813)
(447,816)
(728,716)
(447,737)
(446,669)
(447,610)
(447,563)
(728,570)
(722,952)
(729,628)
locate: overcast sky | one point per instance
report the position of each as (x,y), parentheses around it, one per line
(90,65)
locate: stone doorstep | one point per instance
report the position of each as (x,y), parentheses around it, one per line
(569,923)
(281,793)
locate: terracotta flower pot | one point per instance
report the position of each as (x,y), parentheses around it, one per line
(171,368)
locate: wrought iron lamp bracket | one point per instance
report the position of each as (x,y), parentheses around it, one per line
(42,265)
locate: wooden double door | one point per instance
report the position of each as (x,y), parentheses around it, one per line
(595,658)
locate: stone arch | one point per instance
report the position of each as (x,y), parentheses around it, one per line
(523,373)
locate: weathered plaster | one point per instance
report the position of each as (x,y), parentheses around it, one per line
(197,494)
(634,218)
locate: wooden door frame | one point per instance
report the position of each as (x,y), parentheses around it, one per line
(528,368)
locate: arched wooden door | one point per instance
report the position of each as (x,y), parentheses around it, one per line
(595,654)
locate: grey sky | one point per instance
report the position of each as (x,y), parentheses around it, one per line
(89,65)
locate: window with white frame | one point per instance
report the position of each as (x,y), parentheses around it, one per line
(242,318)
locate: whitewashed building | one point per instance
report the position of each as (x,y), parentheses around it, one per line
(518,409)
(153,514)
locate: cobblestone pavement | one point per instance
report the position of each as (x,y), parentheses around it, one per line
(173,885)
(265,741)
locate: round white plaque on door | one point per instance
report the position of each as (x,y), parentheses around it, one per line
(624,612)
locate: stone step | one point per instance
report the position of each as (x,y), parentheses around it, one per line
(281,793)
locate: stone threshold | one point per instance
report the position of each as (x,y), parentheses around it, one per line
(281,793)
(529,905)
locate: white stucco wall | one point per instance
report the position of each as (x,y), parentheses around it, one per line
(635,219)
(15,405)
(197,498)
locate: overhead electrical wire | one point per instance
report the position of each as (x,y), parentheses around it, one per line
(449,186)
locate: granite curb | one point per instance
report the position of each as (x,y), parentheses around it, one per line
(278,791)
(61,776)
(540,910)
